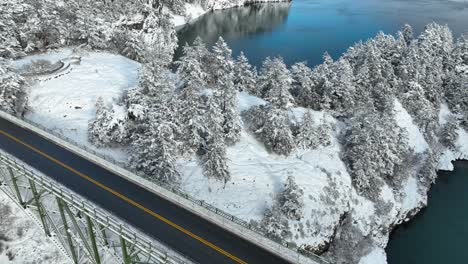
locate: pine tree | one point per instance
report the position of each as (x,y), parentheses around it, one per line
(374,149)
(324,131)
(154,153)
(214,157)
(303,90)
(275,225)
(276,132)
(288,205)
(245,77)
(449,132)
(408,34)
(290,200)
(223,75)
(460,51)
(419,107)
(107,128)
(456,94)
(12,95)
(202,55)
(10,47)
(271,126)
(307,136)
(190,109)
(339,90)
(276,83)
(159,36)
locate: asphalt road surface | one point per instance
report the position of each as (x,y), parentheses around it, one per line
(185,232)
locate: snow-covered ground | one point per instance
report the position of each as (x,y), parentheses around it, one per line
(22,240)
(66,104)
(65,101)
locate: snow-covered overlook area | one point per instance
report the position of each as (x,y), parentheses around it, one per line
(330,158)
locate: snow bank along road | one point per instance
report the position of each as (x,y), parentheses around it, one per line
(180,229)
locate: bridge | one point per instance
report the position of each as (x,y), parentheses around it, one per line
(85,201)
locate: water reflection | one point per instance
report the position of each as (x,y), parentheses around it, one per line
(236,23)
(308,28)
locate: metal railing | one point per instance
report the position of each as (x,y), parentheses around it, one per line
(255,228)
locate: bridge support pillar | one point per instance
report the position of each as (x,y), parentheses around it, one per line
(40,209)
(15,186)
(92,236)
(67,230)
(125,256)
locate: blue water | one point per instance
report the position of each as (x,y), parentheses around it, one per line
(439,234)
(304,29)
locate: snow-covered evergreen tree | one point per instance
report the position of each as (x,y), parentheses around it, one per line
(419,107)
(277,132)
(309,135)
(154,152)
(214,152)
(288,205)
(108,128)
(324,131)
(272,127)
(374,147)
(456,87)
(223,75)
(428,60)
(276,83)
(245,77)
(275,225)
(304,86)
(449,132)
(10,47)
(408,34)
(460,51)
(190,109)
(339,90)
(457,94)
(306,134)
(290,200)
(12,95)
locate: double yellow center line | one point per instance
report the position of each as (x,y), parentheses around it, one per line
(126,199)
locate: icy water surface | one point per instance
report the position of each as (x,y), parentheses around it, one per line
(304,29)
(439,234)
